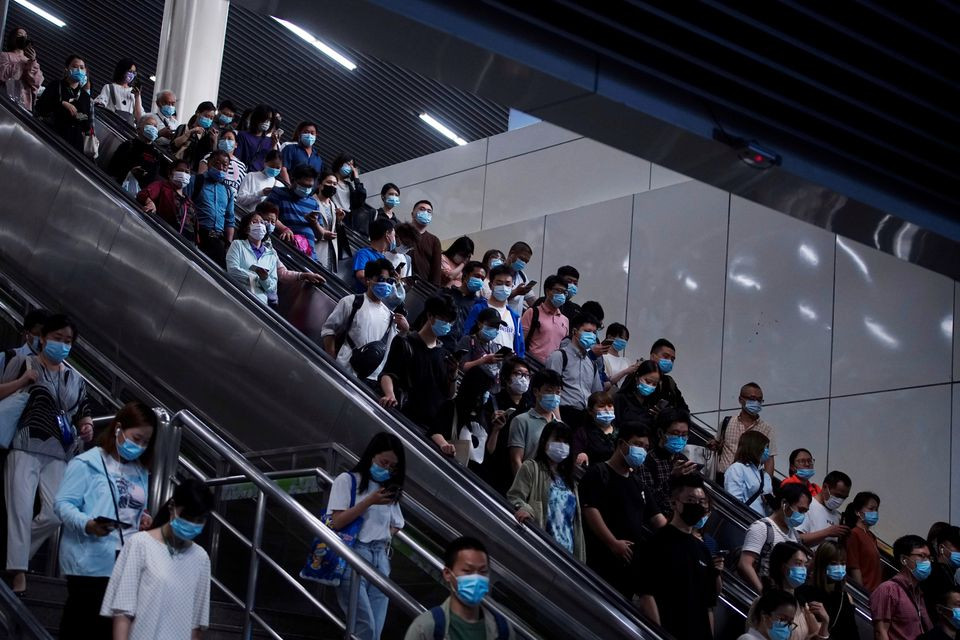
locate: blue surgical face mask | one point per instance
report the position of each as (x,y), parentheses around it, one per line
(472,588)
(666,365)
(441,328)
(619,344)
(227,145)
(645,389)
(485,398)
(495,262)
(675,444)
(392,201)
(921,571)
(184,529)
(765,455)
(587,339)
(702,522)
(955,558)
(558,299)
(307,139)
(223,120)
(424,217)
(501,292)
(796,576)
(518,265)
(955,618)
(571,290)
(489,333)
(303,192)
(78,75)
(635,456)
(837,572)
(379,474)
(214,175)
(753,407)
(779,631)
(128,449)
(272,172)
(168,110)
(382,290)
(795,519)
(606,417)
(346,171)
(474,285)
(150,132)
(805,474)
(870,518)
(550,401)
(57,352)
(205,122)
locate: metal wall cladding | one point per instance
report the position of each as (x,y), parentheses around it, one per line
(371,112)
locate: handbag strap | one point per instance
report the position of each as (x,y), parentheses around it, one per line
(759,491)
(116,509)
(353,490)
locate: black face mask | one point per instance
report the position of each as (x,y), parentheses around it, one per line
(20,42)
(691,513)
(328,191)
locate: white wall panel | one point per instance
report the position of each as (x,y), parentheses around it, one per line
(457,203)
(895,444)
(560,178)
(893,322)
(779,305)
(796,425)
(429,167)
(526,139)
(677,259)
(529,231)
(596,240)
(956,331)
(662,177)
(955,458)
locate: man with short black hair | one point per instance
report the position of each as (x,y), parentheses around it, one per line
(464,297)
(571,276)
(522,295)
(946,563)
(30,334)
(946,616)
(679,584)
(390,195)
(544,326)
(897,605)
(665,354)
(382,239)
(426,252)
(732,427)
(823,518)
(580,373)
(463,616)
(666,460)
(213,203)
(525,429)
(511,333)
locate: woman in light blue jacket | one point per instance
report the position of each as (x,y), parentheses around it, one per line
(745,479)
(251,262)
(102,501)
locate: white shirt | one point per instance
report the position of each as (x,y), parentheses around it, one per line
(168,596)
(124,101)
(165,122)
(400,262)
(130,494)
(505,335)
(520,303)
(369,325)
(377,520)
(251,189)
(742,481)
(819,518)
(615,364)
(756,537)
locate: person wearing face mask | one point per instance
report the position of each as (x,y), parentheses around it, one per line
(214,205)
(107,481)
(251,264)
(789,506)
(946,616)
(30,335)
(390,195)
(482,349)
(57,416)
(521,295)
(544,326)
(788,572)
(426,251)
(491,258)
(665,354)
(464,296)
(236,170)
(745,480)
(526,428)
(362,319)
(452,261)
(64,104)
(351,195)
(732,427)
(469,426)
(138,156)
(261,136)
(616,509)
(897,605)
(595,441)
(801,470)
(372,491)
(122,94)
(616,365)
(544,492)
(466,571)
(406,238)
(301,150)
(637,398)
(823,519)
(510,334)
(581,375)
(678,584)
(257,185)
(515,393)
(946,561)
(382,239)
(198,137)
(226,115)
(160,585)
(166,115)
(167,199)
(571,277)
(666,460)
(827,587)
(327,219)
(297,205)
(773,615)
(863,553)
(19,69)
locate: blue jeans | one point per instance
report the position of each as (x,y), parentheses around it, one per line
(372,603)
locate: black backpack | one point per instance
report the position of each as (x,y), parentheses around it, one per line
(365,359)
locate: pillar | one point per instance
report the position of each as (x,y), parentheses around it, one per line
(191,52)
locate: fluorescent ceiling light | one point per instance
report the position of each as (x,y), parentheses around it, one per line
(442,128)
(46,15)
(324,48)
(153,78)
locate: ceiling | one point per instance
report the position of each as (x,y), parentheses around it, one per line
(371,111)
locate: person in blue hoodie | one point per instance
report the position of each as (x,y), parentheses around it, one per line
(102,487)
(510,334)
(298,208)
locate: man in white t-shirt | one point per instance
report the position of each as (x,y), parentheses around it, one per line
(369,322)
(766,533)
(166,115)
(823,519)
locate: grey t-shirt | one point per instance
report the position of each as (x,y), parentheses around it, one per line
(525,430)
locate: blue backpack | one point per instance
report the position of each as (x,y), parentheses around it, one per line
(440,624)
(323,564)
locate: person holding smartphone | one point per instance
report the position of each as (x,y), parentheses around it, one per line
(251,264)
(102,502)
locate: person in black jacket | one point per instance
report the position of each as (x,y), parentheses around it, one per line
(827,587)
(139,156)
(665,354)
(66,106)
(639,395)
(947,621)
(351,195)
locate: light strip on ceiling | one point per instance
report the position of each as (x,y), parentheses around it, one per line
(46,15)
(442,128)
(324,48)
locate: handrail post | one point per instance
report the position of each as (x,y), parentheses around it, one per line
(162,455)
(254,570)
(351,620)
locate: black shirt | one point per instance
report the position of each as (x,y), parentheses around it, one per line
(464,305)
(133,154)
(940,579)
(679,574)
(843,621)
(591,440)
(622,501)
(420,374)
(937,634)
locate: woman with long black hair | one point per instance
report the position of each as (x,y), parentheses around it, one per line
(371,491)
(122,94)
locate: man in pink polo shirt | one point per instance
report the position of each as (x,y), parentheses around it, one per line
(899,611)
(544,326)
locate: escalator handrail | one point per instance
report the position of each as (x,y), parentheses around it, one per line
(22,618)
(482,498)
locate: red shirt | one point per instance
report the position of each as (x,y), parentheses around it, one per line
(812,487)
(862,554)
(169,203)
(900,602)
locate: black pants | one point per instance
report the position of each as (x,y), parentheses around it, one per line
(81,613)
(214,247)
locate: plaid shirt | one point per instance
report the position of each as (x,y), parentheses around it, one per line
(659,466)
(731,438)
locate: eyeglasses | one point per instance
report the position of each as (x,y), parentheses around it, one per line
(387,280)
(787,621)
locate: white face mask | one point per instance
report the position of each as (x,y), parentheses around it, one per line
(833,503)
(257,231)
(181,178)
(519,385)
